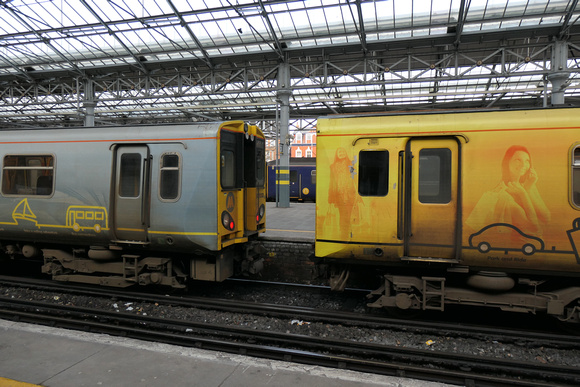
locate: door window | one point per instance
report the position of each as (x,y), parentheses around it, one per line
(435,175)
(293,176)
(576,176)
(130,175)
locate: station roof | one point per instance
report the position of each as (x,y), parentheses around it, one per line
(215,59)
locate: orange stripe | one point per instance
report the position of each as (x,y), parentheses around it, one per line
(449,131)
(118,140)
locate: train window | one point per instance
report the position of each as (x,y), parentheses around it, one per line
(260,161)
(435,175)
(293,176)
(228,175)
(576,176)
(169,177)
(130,176)
(232,160)
(373,173)
(313,176)
(28,175)
(254,162)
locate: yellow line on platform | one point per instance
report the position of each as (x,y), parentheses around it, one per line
(14,383)
(274,229)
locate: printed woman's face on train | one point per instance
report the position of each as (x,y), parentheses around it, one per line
(341,153)
(519,165)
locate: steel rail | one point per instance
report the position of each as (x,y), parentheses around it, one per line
(356,356)
(558,340)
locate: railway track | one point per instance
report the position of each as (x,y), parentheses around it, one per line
(348,354)
(519,335)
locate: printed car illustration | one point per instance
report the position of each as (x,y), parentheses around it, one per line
(505,237)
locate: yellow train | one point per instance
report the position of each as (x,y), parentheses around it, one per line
(475,208)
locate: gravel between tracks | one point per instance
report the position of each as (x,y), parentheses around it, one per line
(487,346)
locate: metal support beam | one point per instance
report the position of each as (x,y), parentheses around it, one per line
(89,103)
(558,75)
(283,97)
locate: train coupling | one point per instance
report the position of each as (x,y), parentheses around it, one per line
(253,262)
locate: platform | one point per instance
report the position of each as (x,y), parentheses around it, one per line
(38,355)
(295,223)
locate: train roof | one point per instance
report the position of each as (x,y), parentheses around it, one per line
(449,122)
(139,133)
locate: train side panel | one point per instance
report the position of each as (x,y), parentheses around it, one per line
(402,211)
(74,207)
(303,182)
(480,208)
(522,224)
(348,223)
(183,213)
(139,204)
(302,179)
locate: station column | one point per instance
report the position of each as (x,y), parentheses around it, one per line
(89,103)
(283,96)
(559,75)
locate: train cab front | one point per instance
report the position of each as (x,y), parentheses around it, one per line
(241,193)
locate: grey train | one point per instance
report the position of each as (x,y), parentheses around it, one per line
(135,205)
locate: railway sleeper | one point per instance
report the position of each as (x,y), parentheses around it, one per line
(423,293)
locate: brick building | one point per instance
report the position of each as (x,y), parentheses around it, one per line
(303,145)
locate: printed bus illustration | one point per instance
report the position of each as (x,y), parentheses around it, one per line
(87,218)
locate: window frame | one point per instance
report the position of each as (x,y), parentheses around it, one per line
(178,168)
(122,186)
(445,179)
(574,167)
(231,143)
(260,162)
(37,168)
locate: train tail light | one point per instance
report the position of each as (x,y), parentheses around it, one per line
(260,214)
(228,221)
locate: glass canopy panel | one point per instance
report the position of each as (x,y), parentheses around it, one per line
(76,35)
(112,30)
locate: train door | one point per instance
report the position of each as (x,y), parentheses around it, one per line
(254,177)
(432,198)
(294,183)
(132,193)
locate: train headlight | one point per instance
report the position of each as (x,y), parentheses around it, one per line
(228,221)
(260,214)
